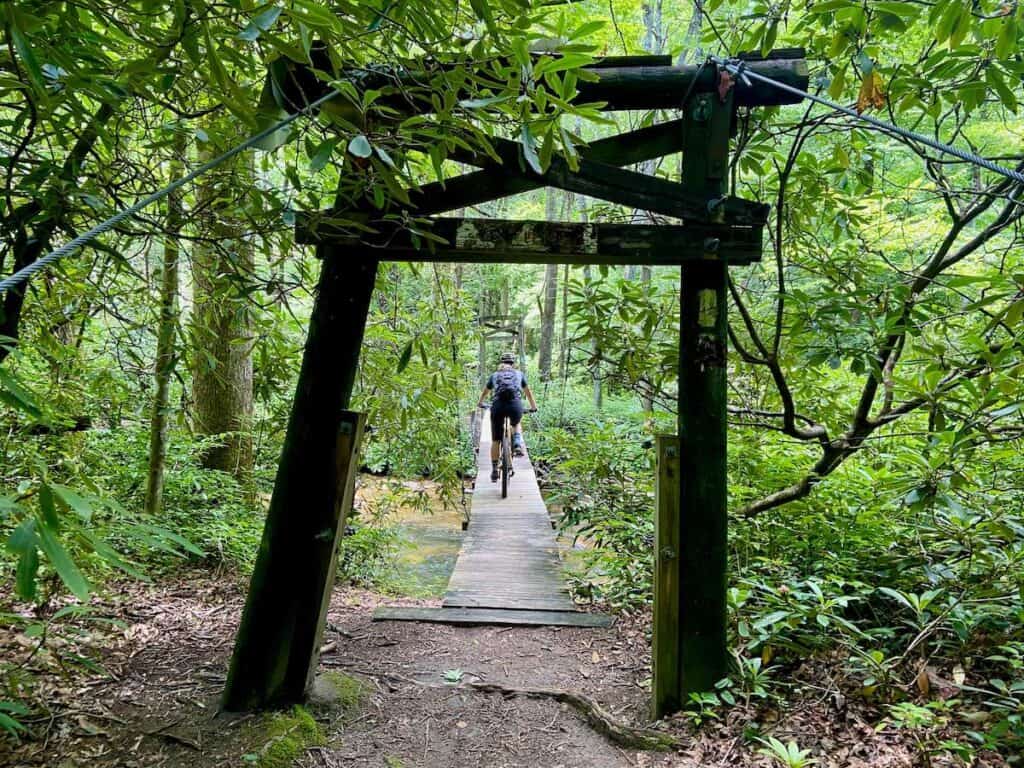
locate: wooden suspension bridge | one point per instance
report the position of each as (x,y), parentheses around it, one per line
(509,570)
(276,650)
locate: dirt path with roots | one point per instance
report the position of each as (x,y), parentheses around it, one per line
(432,696)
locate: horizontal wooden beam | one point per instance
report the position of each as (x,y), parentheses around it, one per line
(664,87)
(537,242)
(500,616)
(636,85)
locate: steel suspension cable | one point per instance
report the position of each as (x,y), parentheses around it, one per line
(23,274)
(738,69)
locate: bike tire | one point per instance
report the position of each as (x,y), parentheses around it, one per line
(506,465)
(505,471)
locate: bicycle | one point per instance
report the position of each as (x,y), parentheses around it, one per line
(506,466)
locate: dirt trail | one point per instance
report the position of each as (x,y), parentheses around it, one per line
(418,718)
(167,666)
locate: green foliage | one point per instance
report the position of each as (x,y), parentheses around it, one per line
(47,521)
(788,755)
(875,368)
(601,482)
(9,713)
(344,694)
(367,554)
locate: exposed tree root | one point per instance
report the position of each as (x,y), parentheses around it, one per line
(599,720)
(618,733)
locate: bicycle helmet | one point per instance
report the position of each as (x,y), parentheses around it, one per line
(508,358)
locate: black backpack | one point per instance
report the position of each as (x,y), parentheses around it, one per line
(506,385)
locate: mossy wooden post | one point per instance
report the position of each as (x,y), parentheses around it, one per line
(665,643)
(346,455)
(703,656)
(275,646)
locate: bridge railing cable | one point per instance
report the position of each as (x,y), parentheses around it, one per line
(737,68)
(23,274)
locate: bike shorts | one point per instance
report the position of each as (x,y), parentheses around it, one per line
(513,409)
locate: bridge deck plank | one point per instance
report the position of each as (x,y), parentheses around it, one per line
(509,569)
(510,556)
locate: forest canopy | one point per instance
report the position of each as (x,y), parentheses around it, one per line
(875,368)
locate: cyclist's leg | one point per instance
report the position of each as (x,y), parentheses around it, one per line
(497,431)
(515,415)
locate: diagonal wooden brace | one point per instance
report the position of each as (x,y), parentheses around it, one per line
(497,180)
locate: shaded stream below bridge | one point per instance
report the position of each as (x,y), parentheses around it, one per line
(427,536)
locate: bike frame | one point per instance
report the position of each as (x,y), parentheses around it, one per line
(507,468)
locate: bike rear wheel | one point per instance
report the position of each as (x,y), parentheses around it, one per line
(506,459)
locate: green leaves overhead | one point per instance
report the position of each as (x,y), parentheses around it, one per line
(359,146)
(15,19)
(526,141)
(260,23)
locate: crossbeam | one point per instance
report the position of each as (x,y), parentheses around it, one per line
(496,181)
(637,85)
(629,188)
(537,242)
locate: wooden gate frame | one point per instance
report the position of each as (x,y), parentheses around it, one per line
(503,327)
(276,649)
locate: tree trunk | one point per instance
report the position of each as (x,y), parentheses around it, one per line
(222,335)
(166,358)
(547,321)
(691,43)
(595,344)
(563,345)
(547,315)
(33,233)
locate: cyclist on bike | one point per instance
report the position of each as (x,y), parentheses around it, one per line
(507,385)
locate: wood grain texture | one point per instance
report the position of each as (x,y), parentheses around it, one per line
(504,241)
(665,637)
(509,569)
(506,616)
(509,557)
(294,567)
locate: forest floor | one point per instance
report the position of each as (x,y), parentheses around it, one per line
(152,699)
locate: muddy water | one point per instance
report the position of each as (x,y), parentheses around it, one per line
(429,538)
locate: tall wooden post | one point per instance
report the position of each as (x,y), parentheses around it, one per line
(481,365)
(665,636)
(703,656)
(284,612)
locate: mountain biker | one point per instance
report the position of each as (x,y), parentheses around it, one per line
(507,385)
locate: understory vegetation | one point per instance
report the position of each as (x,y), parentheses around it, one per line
(912,601)
(876,375)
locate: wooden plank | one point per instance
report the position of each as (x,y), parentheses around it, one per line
(509,557)
(629,88)
(471,616)
(507,603)
(349,441)
(274,649)
(665,637)
(540,242)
